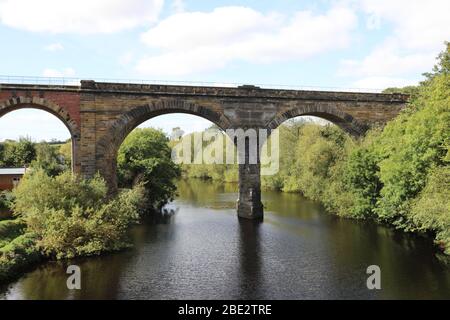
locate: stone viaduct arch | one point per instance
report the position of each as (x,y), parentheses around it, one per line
(21,102)
(100,115)
(108,146)
(328,112)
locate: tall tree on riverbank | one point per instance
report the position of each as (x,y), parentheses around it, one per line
(145,156)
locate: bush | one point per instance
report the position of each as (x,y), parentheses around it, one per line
(6,200)
(17,153)
(10,229)
(48,159)
(431,209)
(72,217)
(409,147)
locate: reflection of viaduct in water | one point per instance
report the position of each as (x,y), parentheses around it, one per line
(100,115)
(250,259)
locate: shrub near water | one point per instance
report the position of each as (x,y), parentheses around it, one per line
(73,217)
(431,209)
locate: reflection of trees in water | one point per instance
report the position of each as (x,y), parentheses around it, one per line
(360,244)
(291,205)
(207,193)
(162,217)
(49,280)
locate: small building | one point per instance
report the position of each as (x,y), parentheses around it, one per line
(10,177)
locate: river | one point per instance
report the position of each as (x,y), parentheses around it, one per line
(199,249)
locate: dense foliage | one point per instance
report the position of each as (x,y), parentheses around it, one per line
(53,158)
(6,200)
(202,169)
(17,153)
(17,255)
(145,157)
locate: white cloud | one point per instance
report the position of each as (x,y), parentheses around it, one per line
(67,72)
(388,60)
(382,82)
(194,42)
(36,124)
(373,22)
(78,16)
(188,123)
(54,47)
(224,25)
(417,24)
(418,30)
(126,58)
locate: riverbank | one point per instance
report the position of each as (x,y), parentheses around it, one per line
(434,234)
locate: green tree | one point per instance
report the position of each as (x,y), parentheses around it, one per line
(48,159)
(65,151)
(443,63)
(317,151)
(359,177)
(145,157)
(17,154)
(409,147)
(431,209)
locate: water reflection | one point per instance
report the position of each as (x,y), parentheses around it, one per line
(166,216)
(250,260)
(198,249)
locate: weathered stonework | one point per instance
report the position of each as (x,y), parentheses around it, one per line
(100,115)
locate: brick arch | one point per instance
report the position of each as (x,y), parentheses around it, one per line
(116,132)
(22,102)
(327,112)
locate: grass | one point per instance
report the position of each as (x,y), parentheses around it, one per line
(17,249)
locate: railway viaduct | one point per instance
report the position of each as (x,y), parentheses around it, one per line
(100,115)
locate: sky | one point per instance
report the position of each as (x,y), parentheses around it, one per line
(340,44)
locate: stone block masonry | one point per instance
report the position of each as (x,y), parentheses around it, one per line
(100,115)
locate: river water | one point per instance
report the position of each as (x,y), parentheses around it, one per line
(199,249)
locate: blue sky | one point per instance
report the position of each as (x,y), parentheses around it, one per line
(345,44)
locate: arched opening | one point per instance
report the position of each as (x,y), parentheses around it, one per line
(22,108)
(108,145)
(323,111)
(31,138)
(301,155)
(159,148)
(40,129)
